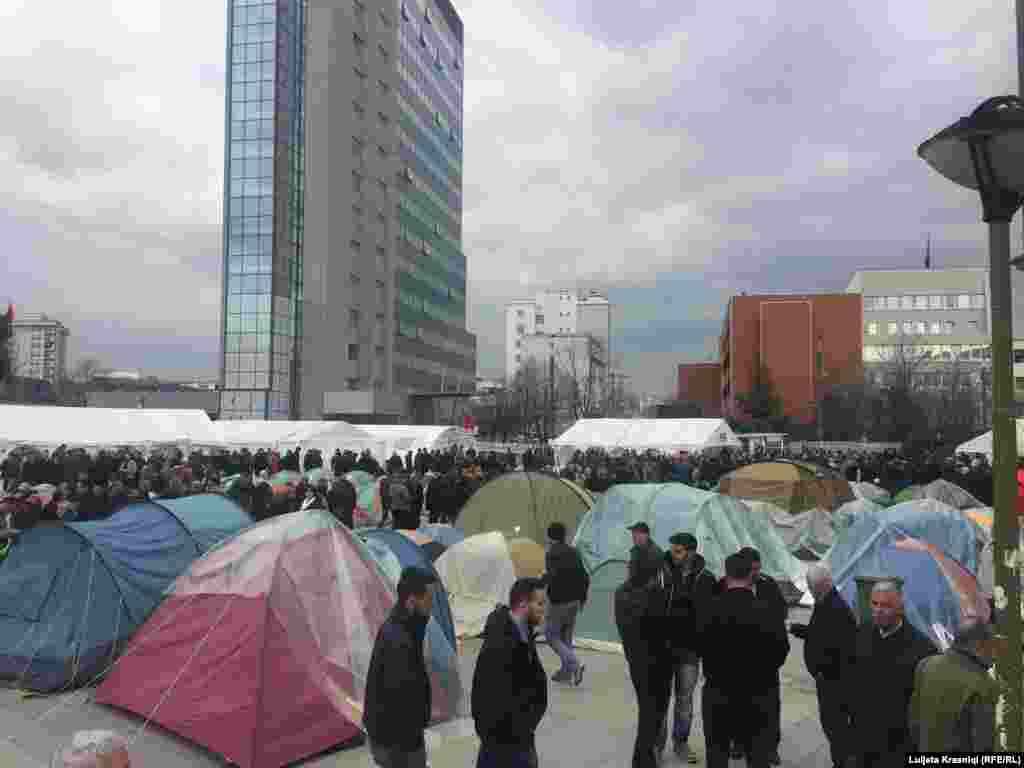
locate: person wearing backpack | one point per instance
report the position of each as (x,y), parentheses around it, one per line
(641,608)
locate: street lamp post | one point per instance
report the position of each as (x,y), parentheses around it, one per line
(985,152)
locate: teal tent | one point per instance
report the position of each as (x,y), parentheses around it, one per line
(71,595)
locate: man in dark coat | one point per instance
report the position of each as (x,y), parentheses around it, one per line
(690,591)
(741,687)
(888,651)
(641,606)
(398,698)
(342,498)
(767,591)
(510,688)
(568,584)
(829,641)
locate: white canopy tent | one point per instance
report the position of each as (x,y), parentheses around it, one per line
(52,426)
(326,436)
(983,443)
(402,438)
(667,435)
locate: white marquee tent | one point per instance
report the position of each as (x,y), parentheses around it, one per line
(667,435)
(325,436)
(52,426)
(402,438)
(983,443)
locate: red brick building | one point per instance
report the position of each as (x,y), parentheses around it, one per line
(807,343)
(701,384)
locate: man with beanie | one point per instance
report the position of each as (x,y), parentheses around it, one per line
(690,591)
(398,699)
(510,688)
(740,688)
(568,584)
(640,616)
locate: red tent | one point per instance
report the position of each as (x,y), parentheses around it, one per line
(260,651)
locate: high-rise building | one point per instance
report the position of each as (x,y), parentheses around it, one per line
(561,319)
(40,348)
(345,281)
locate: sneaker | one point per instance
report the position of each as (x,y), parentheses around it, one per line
(691,756)
(561,676)
(578,677)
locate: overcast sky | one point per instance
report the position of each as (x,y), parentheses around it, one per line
(671,152)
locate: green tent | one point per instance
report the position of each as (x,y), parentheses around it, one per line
(523,505)
(595,624)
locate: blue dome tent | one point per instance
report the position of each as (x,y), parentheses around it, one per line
(71,595)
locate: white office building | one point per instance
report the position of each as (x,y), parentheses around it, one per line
(560,323)
(40,348)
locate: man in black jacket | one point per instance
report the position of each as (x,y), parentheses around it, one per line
(767,591)
(568,584)
(510,688)
(829,653)
(887,653)
(398,699)
(741,686)
(691,588)
(641,607)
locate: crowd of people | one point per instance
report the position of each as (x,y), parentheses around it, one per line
(893,471)
(883,688)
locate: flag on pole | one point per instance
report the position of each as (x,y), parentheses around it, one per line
(928,253)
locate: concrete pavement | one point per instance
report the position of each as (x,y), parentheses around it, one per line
(592,726)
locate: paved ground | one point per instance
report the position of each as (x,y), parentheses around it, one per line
(592,726)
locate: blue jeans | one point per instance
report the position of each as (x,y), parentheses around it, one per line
(505,757)
(559,629)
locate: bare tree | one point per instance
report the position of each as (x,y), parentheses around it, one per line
(581,368)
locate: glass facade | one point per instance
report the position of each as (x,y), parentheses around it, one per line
(432,284)
(263,216)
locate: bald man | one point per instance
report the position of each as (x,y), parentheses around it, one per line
(887,653)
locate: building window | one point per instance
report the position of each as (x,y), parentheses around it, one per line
(540,319)
(906,302)
(519,358)
(519,313)
(1018,385)
(1018,356)
(919,328)
(872,329)
(935,302)
(948,327)
(963,301)
(908,327)
(353,319)
(972,325)
(353,352)
(978,301)
(920,302)
(936,328)
(520,329)
(894,329)
(892,302)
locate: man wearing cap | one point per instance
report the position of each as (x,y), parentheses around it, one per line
(644,549)
(691,588)
(568,584)
(398,699)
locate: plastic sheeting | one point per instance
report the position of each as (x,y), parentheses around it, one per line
(524,504)
(938,592)
(448,535)
(939,525)
(402,438)
(209,517)
(478,574)
(871,492)
(326,436)
(809,533)
(667,435)
(983,443)
(280,622)
(793,486)
(51,426)
(595,624)
(946,492)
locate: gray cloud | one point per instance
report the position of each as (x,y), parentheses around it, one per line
(673,153)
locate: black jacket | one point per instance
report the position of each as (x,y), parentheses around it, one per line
(767,591)
(398,698)
(689,596)
(510,688)
(567,578)
(742,644)
(829,638)
(882,684)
